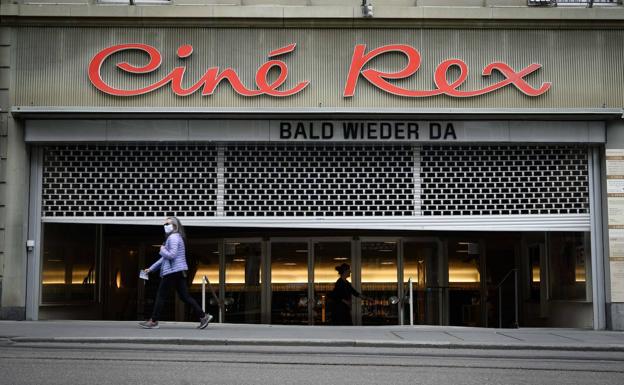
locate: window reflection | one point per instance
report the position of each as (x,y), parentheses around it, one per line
(68,265)
(464,264)
(421,264)
(289,282)
(242,281)
(125,297)
(379,282)
(464,282)
(203,259)
(327,255)
(568,259)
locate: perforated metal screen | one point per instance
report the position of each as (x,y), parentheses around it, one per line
(297,180)
(129,180)
(504,180)
(320,180)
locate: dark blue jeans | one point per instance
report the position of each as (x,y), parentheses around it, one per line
(178,281)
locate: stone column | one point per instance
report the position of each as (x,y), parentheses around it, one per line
(614,264)
(14,171)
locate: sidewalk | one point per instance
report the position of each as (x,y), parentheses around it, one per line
(184,333)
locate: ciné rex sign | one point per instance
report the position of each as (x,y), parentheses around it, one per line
(212,78)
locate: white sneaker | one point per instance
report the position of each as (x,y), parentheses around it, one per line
(149,324)
(204,321)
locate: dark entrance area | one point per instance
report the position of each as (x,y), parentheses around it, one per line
(502,279)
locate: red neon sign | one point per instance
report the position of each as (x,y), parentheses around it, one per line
(207,83)
(379,79)
(214,76)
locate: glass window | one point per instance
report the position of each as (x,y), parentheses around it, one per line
(464,282)
(569,257)
(379,282)
(421,264)
(535,272)
(68,265)
(289,283)
(327,255)
(126,250)
(242,282)
(203,260)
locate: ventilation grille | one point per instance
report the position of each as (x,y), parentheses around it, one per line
(129,180)
(504,180)
(322,180)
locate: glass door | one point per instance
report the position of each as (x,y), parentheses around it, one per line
(243,285)
(465,271)
(289,282)
(202,257)
(327,255)
(421,264)
(379,278)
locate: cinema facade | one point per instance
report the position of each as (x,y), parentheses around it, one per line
(477,170)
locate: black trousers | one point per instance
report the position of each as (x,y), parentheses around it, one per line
(341,314)
(178,281)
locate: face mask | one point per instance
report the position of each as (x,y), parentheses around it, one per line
(168,228)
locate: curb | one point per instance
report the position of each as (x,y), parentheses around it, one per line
(311,343)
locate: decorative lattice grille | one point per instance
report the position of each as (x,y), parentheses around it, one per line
(504,180)
(319,180)
(129,180)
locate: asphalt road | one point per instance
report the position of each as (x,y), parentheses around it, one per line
(44,364)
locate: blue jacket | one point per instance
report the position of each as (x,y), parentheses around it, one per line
(173,256)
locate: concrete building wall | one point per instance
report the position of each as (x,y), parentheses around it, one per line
(614,259)
(13,191)
(5,69)
(352,3)
(293,12)
(615,134)
(581,66)
(299,3)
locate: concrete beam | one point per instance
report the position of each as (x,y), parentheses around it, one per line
(318,9)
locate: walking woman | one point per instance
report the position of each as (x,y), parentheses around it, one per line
(341,297)
(173,271)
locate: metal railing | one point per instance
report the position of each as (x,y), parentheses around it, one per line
(424,304)
(214,295)
(409,298)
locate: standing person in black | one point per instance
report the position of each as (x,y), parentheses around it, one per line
(341,297)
